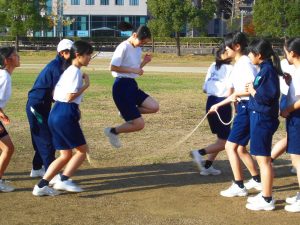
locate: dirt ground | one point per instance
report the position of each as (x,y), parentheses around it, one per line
(150,180)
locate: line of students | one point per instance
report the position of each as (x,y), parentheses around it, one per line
(256,96)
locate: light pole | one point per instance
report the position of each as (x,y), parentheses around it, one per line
(242,20)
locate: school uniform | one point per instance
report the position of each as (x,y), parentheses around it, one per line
(216,87)
(38,108)
(264,109)
(5,93)
(64,117)
(284,88)
(293,120)
(243,72)
(126,93)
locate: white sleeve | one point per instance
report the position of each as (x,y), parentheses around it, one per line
(297,86)
(249,71)
(4,89)
(228,82)
(74,82)
(118,55)
(208,74)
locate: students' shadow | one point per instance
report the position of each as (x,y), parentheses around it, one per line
(109,181)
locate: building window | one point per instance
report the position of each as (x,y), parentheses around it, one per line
(133,2)
(104,2)
(90,2)
(75,2)
(119,2)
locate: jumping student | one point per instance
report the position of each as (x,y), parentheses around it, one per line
(9,60)
(38,107)
(64,124)
(292,115)
(264,110)
(216,87)
(243,72)
(131,101)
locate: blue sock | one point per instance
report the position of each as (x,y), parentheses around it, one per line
(43,183)
(63,177)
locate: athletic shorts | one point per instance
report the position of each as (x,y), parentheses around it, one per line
(222,131)
(64,125)
(293,133)
(3,131)
(128,97)
(262,129)
(240,130)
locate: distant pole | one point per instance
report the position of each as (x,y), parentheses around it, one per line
(222,25)
(242,20)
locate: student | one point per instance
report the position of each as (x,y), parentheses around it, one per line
(215,86)
(264,110)
(280,147)
(38,106)
(64,124)
(9,60)
(131,101)
(292,115)
(243,72)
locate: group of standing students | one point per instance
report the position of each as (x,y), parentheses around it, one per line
(254,87)
(252,83)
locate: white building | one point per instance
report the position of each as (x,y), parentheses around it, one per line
(96,17)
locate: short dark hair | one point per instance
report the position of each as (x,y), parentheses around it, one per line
(5,53)
(293,44)
(143,32)
(219,61)
(81,47)
(237,38)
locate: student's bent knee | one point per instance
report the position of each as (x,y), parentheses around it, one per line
(138,124)
(155,107)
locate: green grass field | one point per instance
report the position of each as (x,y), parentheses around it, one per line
(150,180)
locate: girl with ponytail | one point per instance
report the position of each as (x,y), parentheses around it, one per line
(263,110)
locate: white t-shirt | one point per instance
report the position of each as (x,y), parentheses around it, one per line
(294,90)
(5,87)
(243,72)
(69,82)
(216,81)
(286,68)
(128,56)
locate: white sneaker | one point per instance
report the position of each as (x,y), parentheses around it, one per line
(210,171)
(113,138)
(292,200)
(44,191)
(295,207)
(37,173)
(5,187)
(233,191)
(54,180)
(67,185)
(253,199)
(197,159)
(261,204)
(293,170)
(253,184)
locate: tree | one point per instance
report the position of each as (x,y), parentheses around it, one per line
(277,18)
(22,16)
(172,16)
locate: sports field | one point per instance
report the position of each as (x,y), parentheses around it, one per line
(151,179)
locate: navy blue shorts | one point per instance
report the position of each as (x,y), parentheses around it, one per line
(293,133)
(3,131)
(64,125)
(283,102)
(262,129)
(127,97)
(240,131)
(222,131)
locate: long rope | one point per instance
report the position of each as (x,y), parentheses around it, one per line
(185,138)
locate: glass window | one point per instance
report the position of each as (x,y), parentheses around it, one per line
(75,2)
(90,2)
(104,2)
(133,2)
(119,2)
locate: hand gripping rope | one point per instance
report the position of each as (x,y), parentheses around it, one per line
(201,121)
